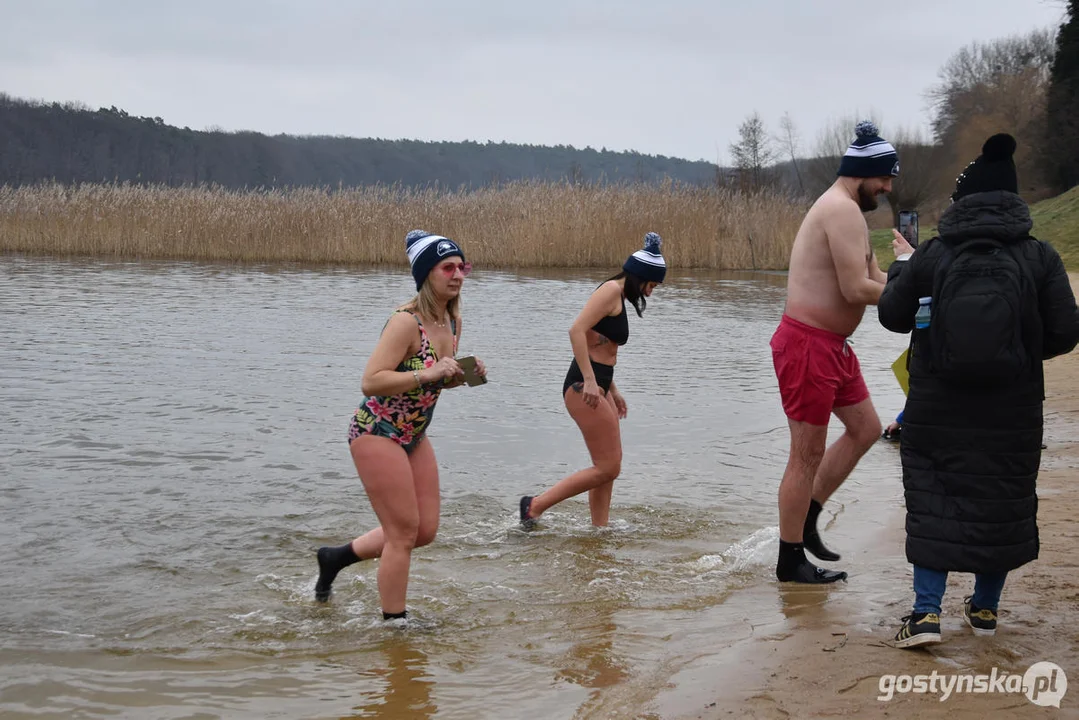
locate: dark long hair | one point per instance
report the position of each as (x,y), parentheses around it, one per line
(632,291)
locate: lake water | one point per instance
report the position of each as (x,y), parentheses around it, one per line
(174,451)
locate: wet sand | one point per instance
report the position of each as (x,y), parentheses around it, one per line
(821,652)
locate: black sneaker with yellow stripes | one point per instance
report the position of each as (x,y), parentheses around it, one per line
(981,620)
(918,629)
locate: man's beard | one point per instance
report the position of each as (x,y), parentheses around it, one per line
(866,201)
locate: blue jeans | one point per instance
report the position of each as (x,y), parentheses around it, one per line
(929,586)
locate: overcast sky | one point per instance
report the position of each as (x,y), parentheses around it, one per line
(671,78)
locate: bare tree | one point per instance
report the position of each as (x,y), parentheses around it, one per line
(753,154)
(1014,103)
(981,65)
(832,142)
(920,179)
(919,162)
(998,86)
(789,140)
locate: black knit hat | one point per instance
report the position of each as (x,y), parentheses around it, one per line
(993,170)
(869,155)
(425,250)
(648,264)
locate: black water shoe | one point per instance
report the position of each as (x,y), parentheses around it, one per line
(809,574)
(811,538)
(527,522)
(332,560)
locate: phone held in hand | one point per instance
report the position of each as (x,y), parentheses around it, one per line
(908,226)
(472,377)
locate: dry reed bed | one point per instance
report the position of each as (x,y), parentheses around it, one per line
(517,225)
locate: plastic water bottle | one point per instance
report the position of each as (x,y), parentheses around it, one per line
(921,318)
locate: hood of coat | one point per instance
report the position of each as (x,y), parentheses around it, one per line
(999,215)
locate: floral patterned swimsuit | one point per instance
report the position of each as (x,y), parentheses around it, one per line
(403,418)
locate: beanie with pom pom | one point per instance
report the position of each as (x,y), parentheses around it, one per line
(648,264)
(425,250)
(869,155)
(993,170)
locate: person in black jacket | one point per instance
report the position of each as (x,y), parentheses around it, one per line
(970,447)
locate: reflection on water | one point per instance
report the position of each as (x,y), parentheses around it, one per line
(174,451)
(402,683)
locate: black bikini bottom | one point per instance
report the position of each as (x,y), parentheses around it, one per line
(604,376)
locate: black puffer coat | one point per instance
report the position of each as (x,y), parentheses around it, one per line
(970,459)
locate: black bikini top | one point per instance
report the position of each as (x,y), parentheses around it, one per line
(615,327)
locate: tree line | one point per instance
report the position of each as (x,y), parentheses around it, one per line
(70,143)
(1026,85)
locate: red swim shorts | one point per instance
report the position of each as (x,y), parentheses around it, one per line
(817,370)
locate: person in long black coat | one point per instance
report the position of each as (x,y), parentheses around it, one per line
(970,457)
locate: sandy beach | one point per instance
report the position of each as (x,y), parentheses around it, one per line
(824,653)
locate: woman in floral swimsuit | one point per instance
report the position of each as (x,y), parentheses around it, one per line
(403,417)
(410,366)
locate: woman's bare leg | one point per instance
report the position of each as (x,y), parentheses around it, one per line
(386,473)
(599,426)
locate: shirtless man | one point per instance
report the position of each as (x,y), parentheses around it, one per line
(833,277)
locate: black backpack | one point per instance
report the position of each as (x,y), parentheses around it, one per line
(980,327)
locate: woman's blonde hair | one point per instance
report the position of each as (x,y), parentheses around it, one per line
(426,304)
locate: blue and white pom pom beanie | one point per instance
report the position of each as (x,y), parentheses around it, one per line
(869,155)
(425,250)
(648,264)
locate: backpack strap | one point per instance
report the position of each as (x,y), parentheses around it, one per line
(1024,267)
(1032,335)
(941,270)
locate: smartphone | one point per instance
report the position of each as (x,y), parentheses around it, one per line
(468,364)
(908,226)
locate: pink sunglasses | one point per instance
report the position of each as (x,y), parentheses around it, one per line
(450,268)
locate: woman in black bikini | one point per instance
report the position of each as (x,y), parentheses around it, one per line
(591,397)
